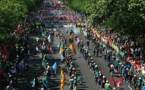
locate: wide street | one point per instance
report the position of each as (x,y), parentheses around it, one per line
(40,58)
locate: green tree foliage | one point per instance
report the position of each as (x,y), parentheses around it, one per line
(12,13)
(32,4)
(121,15)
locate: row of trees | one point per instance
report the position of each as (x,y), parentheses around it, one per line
(124,16)
(12,13)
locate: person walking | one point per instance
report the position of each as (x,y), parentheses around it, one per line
(107,86)
(35,83)
(75,83)
(88,43)
(71,82)
(139,83)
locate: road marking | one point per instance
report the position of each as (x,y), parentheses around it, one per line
(130,87)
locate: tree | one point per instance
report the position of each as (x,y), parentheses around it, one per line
(12,13)
(123,16)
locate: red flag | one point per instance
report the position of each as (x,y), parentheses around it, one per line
(119,82)
(137,65)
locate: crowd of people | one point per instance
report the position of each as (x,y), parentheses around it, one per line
(100,79)
(70,69)
(120,66)
(72,73)
(117,64)
(15,58)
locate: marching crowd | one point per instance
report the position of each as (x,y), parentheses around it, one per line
(117,64)
(44,46)
(101,79)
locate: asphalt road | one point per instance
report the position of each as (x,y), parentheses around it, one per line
(88,77)
(103,65)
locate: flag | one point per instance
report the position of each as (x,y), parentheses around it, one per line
(143,88)
(73,48)
(137,65)
(61,48)
(62,81)
(119,82)
(62,75)
(33,83)
(61,57)
(49,38)
(54,67)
